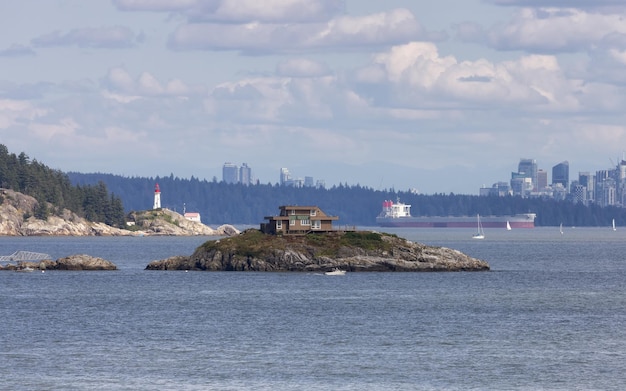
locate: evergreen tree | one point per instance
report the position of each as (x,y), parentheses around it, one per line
(46,185)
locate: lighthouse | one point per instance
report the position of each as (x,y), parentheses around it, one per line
(157,197)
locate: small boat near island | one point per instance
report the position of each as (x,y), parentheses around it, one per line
(335,272)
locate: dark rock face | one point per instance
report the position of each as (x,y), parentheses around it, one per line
(356,251)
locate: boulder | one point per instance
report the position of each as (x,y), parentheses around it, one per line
(84,262)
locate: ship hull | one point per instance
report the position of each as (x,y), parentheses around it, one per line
(516,221)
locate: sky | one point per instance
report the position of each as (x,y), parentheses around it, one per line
(442,96)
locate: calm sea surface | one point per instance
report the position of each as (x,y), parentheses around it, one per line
(550,315)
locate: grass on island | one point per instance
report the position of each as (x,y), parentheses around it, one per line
(254,243)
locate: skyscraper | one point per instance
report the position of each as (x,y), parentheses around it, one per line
(230,173)
(245,174)
(588,180)
(560,174)
(542,179)
(285,177)
(528,169)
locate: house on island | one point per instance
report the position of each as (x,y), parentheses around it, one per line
(298,220)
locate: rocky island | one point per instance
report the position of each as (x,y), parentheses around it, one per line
(354,251)
(72,262)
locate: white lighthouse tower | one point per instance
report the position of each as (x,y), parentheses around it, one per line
(157,197)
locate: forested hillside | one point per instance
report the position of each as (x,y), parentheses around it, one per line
(92,201)
(221,203)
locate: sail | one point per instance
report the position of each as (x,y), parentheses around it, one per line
(480,234)
(508,226)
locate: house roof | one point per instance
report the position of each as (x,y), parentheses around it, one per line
(307,208)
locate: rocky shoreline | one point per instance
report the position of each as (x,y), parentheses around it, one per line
(252,250)
(16,219)
(359,251)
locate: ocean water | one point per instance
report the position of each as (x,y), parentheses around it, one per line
(550,315)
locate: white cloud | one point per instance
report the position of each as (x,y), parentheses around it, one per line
(17,50)
(122,87)
(272,11)
(356,32)
(420,75)
(302,67)
(365,87)
(618,55)
(64,129)
(102,37)
(149,85)
(557,29)
(155,5)
(595,4)
(259,99)
(241,11)
(12,112)
(119,79)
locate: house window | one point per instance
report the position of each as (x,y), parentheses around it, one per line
(292,222)
(279,224)
(293,211)
(313,212)
(316,224)
(305,222)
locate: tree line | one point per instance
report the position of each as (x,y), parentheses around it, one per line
(222,203)
(54,191)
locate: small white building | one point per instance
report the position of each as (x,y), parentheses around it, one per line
(193,216)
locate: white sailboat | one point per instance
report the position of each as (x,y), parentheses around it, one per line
(480,234)
(561,228)
(614,225)
(508,226)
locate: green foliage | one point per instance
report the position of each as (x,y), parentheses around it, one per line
(30,177)
(41,210)
(254,243)
(365,240)
(222,203)
(251,243)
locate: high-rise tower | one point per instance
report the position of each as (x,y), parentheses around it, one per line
(157,197)
(528,169)
(245,174)
(560,174)
(230,173)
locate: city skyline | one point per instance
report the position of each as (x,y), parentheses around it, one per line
(605,187)
(434,96)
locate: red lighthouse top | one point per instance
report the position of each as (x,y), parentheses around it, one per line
(156,188)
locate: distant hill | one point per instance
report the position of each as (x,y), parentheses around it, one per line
(221,203)
(107,198)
